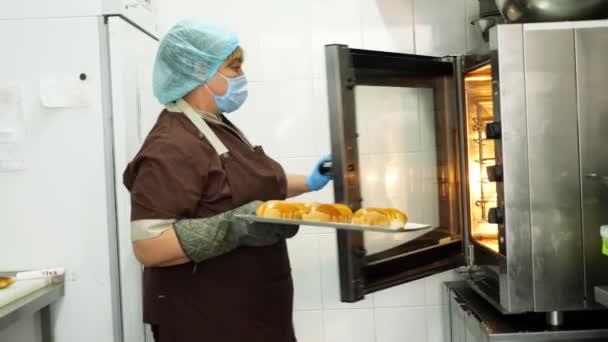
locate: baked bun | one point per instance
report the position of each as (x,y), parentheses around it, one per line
(326,213)
(371,217)
(303,208)
(6,282)
(345,210)
(308,207)
(380,217)
(398,218)
(279,210)
(338,213)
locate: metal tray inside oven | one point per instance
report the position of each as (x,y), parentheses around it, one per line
(413,230)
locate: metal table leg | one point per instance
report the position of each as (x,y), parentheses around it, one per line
(45,322)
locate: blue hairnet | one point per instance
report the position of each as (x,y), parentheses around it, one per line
(188,56)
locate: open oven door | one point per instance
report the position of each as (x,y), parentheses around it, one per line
(396,143)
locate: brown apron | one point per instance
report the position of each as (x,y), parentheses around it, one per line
(245,295)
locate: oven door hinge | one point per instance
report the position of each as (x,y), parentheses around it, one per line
(470,255)
(469,259)
(449,59)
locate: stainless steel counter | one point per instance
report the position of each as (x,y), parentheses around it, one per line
(601,295)
(472,319)
(30,304)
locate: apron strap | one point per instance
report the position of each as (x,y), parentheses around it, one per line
(182,106)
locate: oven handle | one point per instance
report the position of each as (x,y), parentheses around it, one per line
(325,169)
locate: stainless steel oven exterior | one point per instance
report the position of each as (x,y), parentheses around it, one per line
(548,84)
(553,113)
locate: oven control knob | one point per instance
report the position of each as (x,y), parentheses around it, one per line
(495,173)
(493,130)
(496,216)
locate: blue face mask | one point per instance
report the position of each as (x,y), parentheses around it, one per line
(235,95)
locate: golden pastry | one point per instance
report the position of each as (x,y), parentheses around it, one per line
(326,213)
(6,282)
(380,217)
(345,210)
(371,217)
(279,210)
(398,219)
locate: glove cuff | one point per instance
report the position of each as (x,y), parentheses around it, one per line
(202,241)
(310,184)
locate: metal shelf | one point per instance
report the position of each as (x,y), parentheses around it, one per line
(30,304)
(486,161)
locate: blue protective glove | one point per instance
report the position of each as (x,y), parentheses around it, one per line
(316,181)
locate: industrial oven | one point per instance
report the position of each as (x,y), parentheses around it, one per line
(518,188)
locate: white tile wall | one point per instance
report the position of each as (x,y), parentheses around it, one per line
(333,22)
(306,267)
(387,177)
(410,294)
(308,326)
(426,108)
(411,323)
(286,107)
(430,193)
(434,290)
(353,325)
(330,280)
(287,113)
(320,107)
(388,25)
(396,140)
(445,36)
(435,323)
(387,119)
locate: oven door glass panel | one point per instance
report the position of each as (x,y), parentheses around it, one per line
(395,135)
(397,169)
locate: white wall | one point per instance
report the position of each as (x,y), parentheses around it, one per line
(287,114)
(66,145)
(55,210)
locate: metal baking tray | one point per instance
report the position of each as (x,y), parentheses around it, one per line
(417,229)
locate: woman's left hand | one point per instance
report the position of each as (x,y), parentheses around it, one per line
(317,181)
